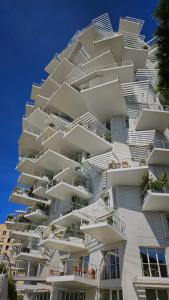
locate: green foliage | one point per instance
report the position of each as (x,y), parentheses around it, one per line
(3,269)
(162,33)
(12,294)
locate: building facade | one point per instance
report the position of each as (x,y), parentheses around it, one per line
(93,163)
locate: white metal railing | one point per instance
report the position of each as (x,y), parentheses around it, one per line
(89,122)
(103,26)
(140,22)
(147,74)
(28,193)
(132,40)
(74,267)
(136,92)
(82,73)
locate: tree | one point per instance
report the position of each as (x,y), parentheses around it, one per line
(162,33)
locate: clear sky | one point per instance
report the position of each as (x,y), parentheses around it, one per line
(30,33)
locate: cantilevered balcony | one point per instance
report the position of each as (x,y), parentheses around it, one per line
(126,173)
(33,233)
(156,196)
(65,99)
(148,116)
(158,152)
(54,62)
(36,119)
(88,134)
(131,25)
(64,68)
(67,239)
(73,273)
(17,221)
(28,251)
(30,270)
(49,160)
(23,196)
(64,191)
(85,76)
(30,179)
(135,49)
(113,42)
(113,104)
(106,230)
(37,214)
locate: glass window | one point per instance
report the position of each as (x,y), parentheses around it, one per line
(110,269)
(162,295)
(153,262)
(105,294)
(114,295)
(150,294)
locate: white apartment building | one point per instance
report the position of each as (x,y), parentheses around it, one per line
(94,173)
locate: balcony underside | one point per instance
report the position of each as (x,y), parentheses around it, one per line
(52,65)
(129,26)
(127,176)
(65,191)
(103,232)
(113,43)
(69,281)
(113,104)
(156,202)
(71,218)
(87,140)
(62,245)
(14,225)
(30,256)
(151,282)
(57,140)
(63,69)
(27,200)
(40,191)
(37,118)
(24,235)
(36,216)
(86,39)
(54,161)
(148,120)
(138,56)
(28,143)
(68,100)
(30,279)
(28,179)
(26,165)
(159,157)
(46,133)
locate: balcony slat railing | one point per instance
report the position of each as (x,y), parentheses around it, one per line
(139,21)
(148,74)
(89,122)
(134,41)
(103,26)
(136,92)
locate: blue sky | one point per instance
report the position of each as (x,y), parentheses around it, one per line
(30,33)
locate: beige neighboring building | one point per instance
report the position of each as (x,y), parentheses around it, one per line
(6,243)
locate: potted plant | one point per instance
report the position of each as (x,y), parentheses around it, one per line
(52,229)
(10,218)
